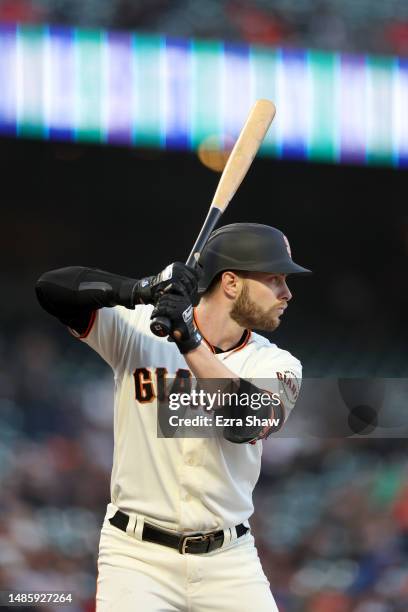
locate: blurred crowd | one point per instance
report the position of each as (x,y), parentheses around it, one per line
(55,458)
(347,25)
(331,518)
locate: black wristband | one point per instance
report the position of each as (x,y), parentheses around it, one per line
(191,343)
(127,293)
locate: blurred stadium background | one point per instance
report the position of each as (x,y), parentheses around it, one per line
(338,25)
(331,515)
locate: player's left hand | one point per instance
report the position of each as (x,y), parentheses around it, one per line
(177,307)
(177,276)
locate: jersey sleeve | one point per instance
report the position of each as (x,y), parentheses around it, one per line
(279,373)
(112,331)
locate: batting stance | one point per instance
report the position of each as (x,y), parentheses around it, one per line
(176,535)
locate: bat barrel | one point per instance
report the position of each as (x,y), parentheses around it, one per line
(240,159)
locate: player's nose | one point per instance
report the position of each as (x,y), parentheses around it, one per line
(286,293)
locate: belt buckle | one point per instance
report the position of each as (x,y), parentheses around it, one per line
(198,538)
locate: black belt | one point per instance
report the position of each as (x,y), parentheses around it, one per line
(195,544)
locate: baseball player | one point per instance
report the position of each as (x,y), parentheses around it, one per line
(176,535)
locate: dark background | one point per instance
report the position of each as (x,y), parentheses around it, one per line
(133,212)
(331,514)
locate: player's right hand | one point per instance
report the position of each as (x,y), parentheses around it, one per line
(178,309)
(177,277)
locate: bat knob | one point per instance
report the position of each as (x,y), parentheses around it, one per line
(160,326)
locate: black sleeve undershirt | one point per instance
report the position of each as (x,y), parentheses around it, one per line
(72,294)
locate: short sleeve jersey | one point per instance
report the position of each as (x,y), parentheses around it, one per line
(185,484)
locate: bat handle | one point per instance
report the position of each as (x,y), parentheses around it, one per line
(161,326)
(210,222)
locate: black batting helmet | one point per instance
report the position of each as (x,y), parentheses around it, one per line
(250,247)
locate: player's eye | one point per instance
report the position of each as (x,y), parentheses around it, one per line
(278,279)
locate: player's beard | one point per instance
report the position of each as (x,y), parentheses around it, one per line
(249,315)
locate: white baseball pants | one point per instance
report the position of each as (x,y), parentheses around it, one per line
(138,576)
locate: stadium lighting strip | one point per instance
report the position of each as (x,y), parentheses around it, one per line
(123,88)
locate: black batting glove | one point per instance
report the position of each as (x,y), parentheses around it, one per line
(178,308)
(176,277)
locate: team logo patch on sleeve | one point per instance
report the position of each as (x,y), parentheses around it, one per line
(289,386)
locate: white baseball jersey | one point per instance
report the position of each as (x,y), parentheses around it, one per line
(184,484)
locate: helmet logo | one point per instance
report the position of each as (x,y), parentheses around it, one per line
(287,245)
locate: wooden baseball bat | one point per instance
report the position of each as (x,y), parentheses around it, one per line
(239,161)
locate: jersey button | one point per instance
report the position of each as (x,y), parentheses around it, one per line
(186,497)
(190,461)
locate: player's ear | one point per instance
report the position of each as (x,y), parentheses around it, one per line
(231,284)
